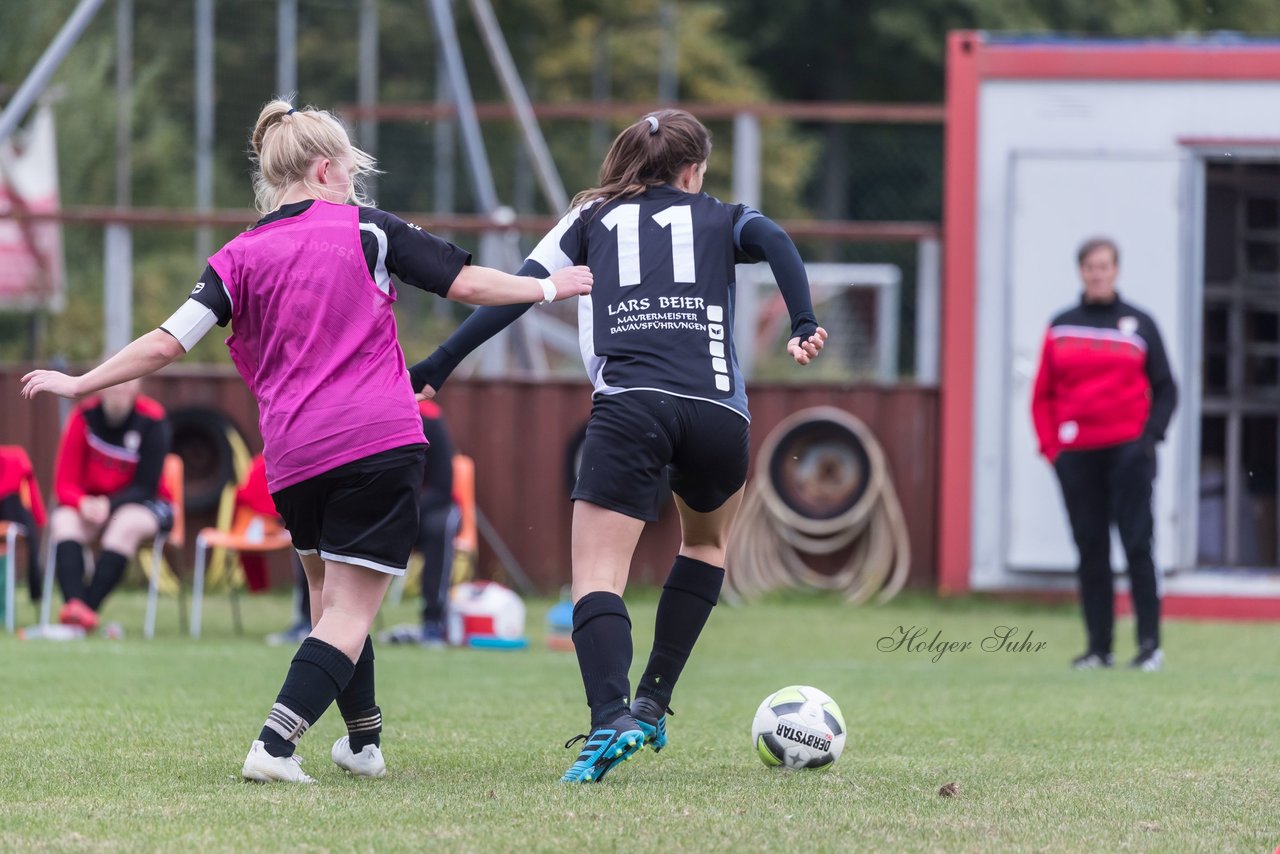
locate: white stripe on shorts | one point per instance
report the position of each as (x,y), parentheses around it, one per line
(359,561)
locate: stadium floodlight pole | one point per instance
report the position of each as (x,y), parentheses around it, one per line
(928,309)
(117,238)
(746,191)
(669,58)
(287,48)
(500,55)
(477,158)
(204,122)
(493,249)
(367,83)
(46,65)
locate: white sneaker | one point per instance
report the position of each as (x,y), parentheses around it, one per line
(366,763)
(262,767)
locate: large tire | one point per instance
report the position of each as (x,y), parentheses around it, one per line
(203,438)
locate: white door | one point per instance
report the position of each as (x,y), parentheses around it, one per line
(1055,203)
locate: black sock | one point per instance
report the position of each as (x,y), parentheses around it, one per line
(602,639)
(108,569)
(317,675)
(68,563)
(691,591)
(356,702)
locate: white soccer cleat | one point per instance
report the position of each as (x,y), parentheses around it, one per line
(262,767)
(366,763)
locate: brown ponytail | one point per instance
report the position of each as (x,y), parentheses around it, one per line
(651,152)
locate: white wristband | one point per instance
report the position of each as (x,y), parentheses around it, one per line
(548,291)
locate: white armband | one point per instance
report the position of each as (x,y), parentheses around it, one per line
(548,291)
(190,323)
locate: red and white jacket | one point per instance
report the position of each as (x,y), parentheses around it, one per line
(1104,380)
(123,461)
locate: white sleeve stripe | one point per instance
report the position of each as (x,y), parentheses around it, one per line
(548,252)
(230,303)
(191,322)
(380,275)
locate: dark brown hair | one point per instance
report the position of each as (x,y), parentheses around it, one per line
(1093,244)
(650,152)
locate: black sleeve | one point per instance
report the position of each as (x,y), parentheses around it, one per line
(764,240)
(212,294)
(1164,391)
(484,323)
(151,452)
(404,250)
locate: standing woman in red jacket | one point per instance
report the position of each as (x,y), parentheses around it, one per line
(1103,399)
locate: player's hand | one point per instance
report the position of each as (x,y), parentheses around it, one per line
(52,382)
(807,350)
(427,393)
(572,282)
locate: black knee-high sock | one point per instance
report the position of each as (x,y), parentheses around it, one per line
(68,563)
(108,569)
(317,675)
(691,591)
(602,640)
(356,702)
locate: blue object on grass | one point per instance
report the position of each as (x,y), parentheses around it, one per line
(494,642)
(560,617)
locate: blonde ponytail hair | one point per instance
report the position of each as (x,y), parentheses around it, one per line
(286,142)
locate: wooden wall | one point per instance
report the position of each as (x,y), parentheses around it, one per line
(520,432)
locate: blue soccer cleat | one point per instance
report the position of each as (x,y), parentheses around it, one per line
(607,745)
(652,718)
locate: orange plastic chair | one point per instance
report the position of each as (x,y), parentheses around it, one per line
(464,495)
(251,531)
(171,476)
(16,471)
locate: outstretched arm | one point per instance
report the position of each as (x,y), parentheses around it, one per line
(764,240)
(428,375)
(487,286)
(146,355)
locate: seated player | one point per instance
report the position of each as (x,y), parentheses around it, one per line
(108,486)
(17,477)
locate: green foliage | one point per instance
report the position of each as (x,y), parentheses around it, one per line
(728,51)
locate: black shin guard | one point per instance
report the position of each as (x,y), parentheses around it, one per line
(602,640)
(108,569)
(357,704)
(691,591)
(317,675)
(68,563)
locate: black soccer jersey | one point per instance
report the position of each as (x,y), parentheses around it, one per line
(660,313)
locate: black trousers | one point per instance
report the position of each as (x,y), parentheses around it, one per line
(1102,487)
(437,527)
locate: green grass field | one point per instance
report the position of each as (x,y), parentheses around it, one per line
(134,745)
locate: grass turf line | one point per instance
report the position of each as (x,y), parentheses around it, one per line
(135,745)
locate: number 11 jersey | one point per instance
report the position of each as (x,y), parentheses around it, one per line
(660,313)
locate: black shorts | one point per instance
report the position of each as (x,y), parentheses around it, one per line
(364,512)
(633,436)
(158,507)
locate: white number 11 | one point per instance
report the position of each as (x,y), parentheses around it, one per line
(625,220)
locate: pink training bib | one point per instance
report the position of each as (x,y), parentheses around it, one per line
(314,337)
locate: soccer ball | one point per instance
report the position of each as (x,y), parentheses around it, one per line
(798,727)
